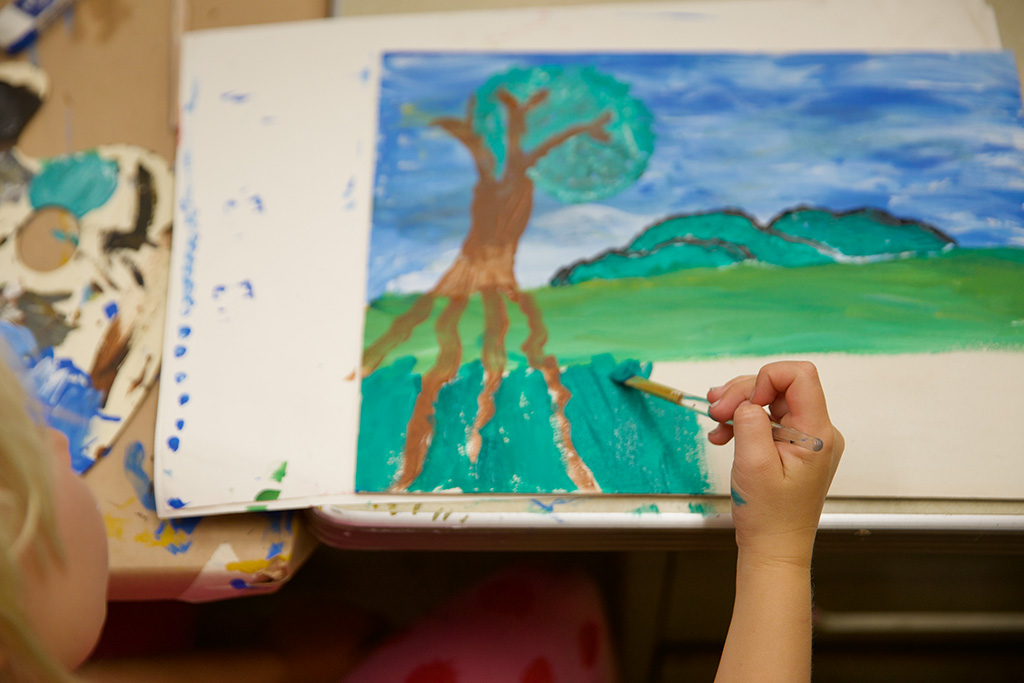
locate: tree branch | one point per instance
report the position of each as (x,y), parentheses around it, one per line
(594,128)
(462,130)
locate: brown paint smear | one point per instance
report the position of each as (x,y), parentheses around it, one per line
(533,347)
(109,357)
(493,359)
(421,424)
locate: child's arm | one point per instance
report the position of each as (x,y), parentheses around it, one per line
(778,491)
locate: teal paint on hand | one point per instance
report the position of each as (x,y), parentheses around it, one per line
(737,499)
(77,182)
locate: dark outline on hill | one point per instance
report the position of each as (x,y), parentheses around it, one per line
(877,215)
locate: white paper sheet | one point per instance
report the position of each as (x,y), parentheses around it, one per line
(259,396)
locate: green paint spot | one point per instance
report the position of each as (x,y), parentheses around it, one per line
(702,509)
(256,508)
(736,497)
(77,182)
(280,472)
(268,494)
(645,509)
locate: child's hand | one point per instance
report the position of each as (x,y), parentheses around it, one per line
(778,489)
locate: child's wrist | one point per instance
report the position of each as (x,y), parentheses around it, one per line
(791,550)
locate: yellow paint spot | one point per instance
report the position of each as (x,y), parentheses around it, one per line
(168,535)
(247,566)
(114,525)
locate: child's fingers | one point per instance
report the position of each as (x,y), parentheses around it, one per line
(755,446)
(734,392)
(721,434)
(715,393)
(793,389)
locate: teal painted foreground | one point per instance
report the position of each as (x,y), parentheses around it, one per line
(632,443)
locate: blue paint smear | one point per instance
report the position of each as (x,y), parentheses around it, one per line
(176,503)
(179,377)
(179,351)
(79,183)
(278,520)
(173,443)
(183,399)
(275,550)
(70,403)
(257,202)
(110,310)
(180,424)
(240,584)
(235,97)
(184,331)
(65,392)
(185,524)
(190,214)
(142,484)
(190,104)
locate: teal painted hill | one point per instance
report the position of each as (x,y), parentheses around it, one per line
(804,236)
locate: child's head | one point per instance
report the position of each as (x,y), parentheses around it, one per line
(53,549)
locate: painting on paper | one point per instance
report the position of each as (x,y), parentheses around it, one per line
(84,256)
(540,218)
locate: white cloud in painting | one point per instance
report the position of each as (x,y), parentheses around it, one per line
(423,279)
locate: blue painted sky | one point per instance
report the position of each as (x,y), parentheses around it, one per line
(932,137)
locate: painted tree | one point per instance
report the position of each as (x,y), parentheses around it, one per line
(574,132)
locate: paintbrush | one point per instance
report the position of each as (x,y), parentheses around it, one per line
(625,374)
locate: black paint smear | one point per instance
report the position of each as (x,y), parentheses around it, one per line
(143,217)
(18,105)
(48,325)
(136,273)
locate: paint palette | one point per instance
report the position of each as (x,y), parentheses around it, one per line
(84,253)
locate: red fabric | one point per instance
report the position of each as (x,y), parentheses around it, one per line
(523,626)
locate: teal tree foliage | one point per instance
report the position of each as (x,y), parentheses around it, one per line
(581,169)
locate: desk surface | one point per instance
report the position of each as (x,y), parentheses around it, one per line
(131,45)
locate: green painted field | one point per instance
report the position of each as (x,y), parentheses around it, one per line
(965,299)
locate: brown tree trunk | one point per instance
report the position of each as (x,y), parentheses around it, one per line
(499,214)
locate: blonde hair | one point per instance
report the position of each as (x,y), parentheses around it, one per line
(28,523)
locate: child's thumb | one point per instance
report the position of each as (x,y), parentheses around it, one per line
(752,431)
